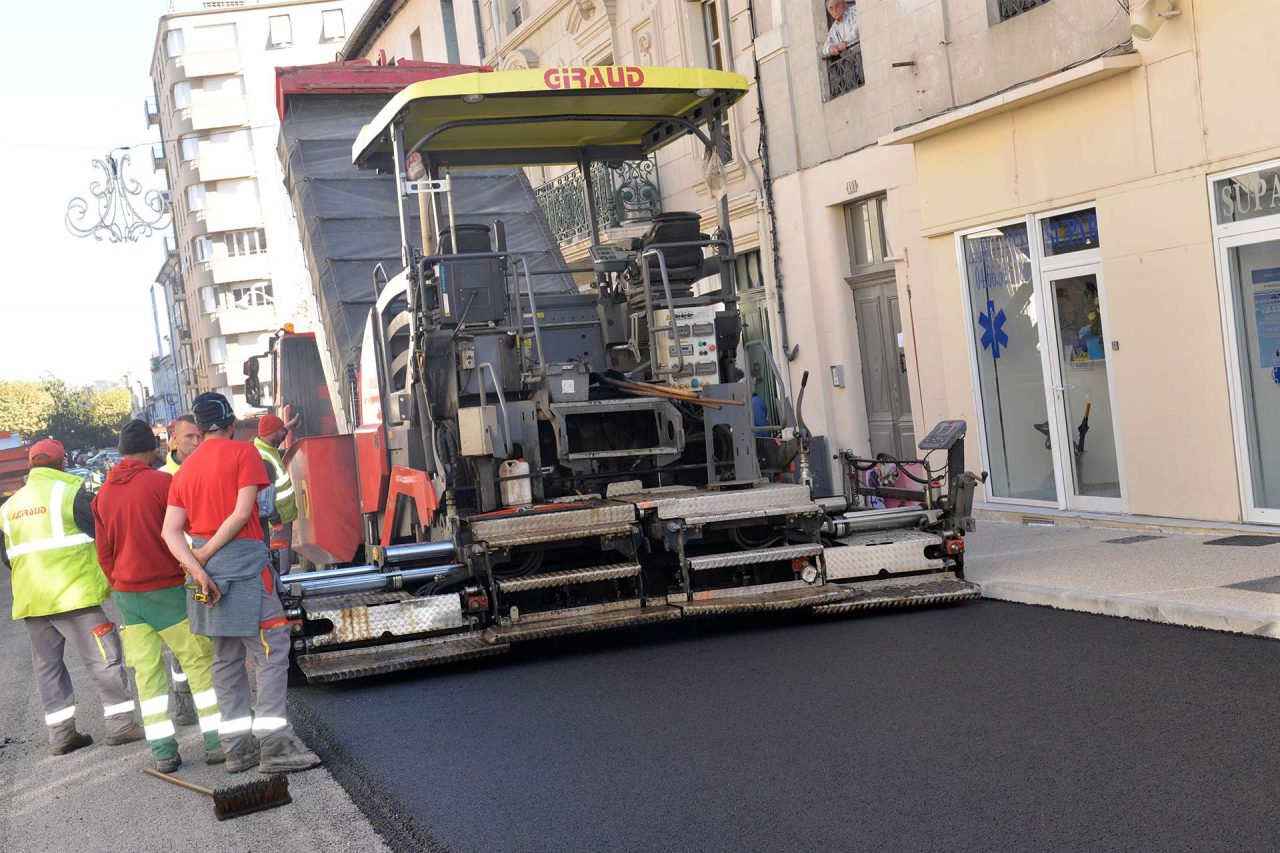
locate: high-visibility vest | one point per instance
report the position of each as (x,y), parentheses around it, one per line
(286,506)
(55,565)
(170,465)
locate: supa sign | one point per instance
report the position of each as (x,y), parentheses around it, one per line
(596,77)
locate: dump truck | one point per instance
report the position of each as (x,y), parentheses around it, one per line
(498,446)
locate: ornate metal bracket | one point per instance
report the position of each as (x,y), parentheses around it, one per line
(115,197)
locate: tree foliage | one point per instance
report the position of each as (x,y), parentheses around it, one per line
(24,407)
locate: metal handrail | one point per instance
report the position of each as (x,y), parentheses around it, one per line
(673,326)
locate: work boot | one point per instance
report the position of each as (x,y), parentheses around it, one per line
(184,709)
(133,733)
(214,756)
(285,754)
(170,764)
(75,741)
(242,756)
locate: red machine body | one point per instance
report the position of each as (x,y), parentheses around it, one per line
(323,469)
(13,470)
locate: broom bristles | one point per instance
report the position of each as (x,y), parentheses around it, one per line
(251,797)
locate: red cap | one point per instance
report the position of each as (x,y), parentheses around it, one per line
(47,450)
(269,425)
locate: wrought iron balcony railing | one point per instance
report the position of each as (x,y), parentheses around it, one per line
(1010,8)
(624,194)
(843,74)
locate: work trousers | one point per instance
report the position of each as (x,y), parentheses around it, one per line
(144,653)
(94,638)
(269,650)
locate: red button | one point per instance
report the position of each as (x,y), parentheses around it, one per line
(712,347)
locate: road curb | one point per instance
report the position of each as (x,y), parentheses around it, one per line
(1134,607)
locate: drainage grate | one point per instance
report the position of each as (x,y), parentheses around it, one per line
(1248,539)
(1271,585)
(1131,540)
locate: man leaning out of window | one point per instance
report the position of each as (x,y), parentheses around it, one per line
(844,28)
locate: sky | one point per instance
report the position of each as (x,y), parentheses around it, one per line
(73,78)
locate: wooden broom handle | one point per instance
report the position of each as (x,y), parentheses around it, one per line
(176,781)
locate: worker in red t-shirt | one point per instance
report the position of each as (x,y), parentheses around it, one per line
(231,598)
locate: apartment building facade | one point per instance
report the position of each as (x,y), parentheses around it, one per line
(972,213)
(236,273)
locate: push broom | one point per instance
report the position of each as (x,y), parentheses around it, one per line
(238,799)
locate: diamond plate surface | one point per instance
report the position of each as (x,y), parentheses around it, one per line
(570,577)
(357,663)
(598,519)
(752,558)
(893,551)
(703,502)
(903,595)
(579,624)
(354,621)
(760,602)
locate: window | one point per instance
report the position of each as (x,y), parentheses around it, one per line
(189,146)
(415,45)
(864,228)
(746,272)
(223,88)
(195,197)
(181,95)
(450,28)
(217,350)
(202,248)
(173,43)
(208,299)
(239,243)
(332,27)
(1005,9)
(281,34)
(251,294)
(214,37)
(717,55)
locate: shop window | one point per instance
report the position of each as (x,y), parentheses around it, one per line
(1003,10)
(280,31)
(865,232)
(1064,233)
(332,27)
(1246,197)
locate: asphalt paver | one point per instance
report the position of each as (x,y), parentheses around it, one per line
(983,726)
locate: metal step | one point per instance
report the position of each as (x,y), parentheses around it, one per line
(367,616)
(753,558)
(373,660)
(577,624)
(581,520)
(901,594)
(570,577)
(761,602)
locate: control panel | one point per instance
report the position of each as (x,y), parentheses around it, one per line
(944,435)
(695,365)
(609,258)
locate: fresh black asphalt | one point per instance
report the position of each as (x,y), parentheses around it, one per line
(984,726)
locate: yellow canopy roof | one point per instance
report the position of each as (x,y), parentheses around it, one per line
(541,116)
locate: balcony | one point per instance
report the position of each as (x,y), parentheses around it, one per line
(153,112)
(234,320)
(158,159)
(843,74)
(230,213)
(207,63)
(624,195)
(226,270)
(216,165)
(1011,8)
(211,115)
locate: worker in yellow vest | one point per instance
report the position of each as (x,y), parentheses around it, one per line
(184,438)
(271,434)
(58,590)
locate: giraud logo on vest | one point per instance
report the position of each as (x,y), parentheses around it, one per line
(30,511)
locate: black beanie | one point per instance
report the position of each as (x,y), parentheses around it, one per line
(137,437)
(212,411)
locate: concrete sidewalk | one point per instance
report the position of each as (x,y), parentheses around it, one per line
(99,799)
(1158,576)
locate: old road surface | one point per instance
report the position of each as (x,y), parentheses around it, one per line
(986,726)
